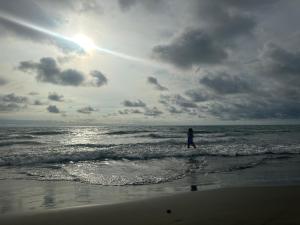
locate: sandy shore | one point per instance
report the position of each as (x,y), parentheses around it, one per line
(249,205)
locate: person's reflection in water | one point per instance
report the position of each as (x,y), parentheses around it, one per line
(49,197)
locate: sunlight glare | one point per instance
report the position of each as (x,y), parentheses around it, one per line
(84,42)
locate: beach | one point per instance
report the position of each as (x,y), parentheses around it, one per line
(149,112)
(88,175)
(250,205)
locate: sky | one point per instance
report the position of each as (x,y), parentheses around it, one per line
(150,61)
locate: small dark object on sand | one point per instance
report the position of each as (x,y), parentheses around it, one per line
(169,211)
(193,187)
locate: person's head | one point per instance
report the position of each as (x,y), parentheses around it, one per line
(190,130)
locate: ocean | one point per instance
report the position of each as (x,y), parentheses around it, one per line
(148,155)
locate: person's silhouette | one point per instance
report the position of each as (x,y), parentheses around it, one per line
(190,136)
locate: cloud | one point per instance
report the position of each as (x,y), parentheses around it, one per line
(281,64)
(48,71)
(183,102)
(3,81)
(78,6)
(172,102)
(10,27)
(137,103)
(157,85)
(174,110)
(90,6)
(152,112)
(225,20)
(98,78)
(86,110)
(152,5)
(192,48)
(33,93)
(254,107)
(12,102)
(53,109)
(28,10)
(9,107)
(25,19)
(38,102)
(221,25)
(129,111)
(224,83)
(14,98)
(199,95)
(55,97)
(248,5)
(126,4)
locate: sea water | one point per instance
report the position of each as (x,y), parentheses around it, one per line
(146,155)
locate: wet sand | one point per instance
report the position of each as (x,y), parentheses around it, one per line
(248,205)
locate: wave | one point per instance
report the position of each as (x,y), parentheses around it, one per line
(17,137)
(159,136)
(123,132)
(10,143)
(41,133)
(107,154)
(91,145)
(256,163)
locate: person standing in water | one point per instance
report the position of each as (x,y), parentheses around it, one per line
(190,137)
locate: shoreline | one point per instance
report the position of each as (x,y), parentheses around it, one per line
(243,205)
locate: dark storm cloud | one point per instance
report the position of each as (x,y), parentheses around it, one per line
(256,108)
(86,110)
(48,71)
(193,47)
(221,24)
(3,81)
(281,64)
(274,94)
(199,95)
(224,83)
(232,27)
(53,109)
(12,102)
(137,103)
(55,97)
(157,85)
(99,78)
(154,112)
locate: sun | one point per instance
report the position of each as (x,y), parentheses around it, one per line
(84,42)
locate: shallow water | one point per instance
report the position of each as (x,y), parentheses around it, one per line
(139,155)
